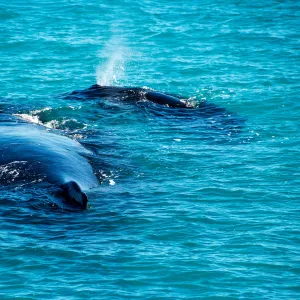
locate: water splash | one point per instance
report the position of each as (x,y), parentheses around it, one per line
(54,118)
(111,71)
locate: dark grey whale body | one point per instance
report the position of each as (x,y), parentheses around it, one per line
(129,93)
(170,104)
(52,158)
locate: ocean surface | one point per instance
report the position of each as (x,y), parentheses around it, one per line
(188,207)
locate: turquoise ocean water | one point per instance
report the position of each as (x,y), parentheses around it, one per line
(186,209)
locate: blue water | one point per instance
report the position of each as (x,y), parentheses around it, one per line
(187,208)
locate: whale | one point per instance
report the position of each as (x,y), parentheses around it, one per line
(171,105)
(29,152)
(129,93)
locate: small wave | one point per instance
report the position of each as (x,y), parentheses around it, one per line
(53,118)
(29,118)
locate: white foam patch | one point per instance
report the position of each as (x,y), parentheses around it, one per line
(11,169)
(29,118)
(112,182)
(33,116)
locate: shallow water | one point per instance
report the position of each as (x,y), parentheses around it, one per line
(187,207)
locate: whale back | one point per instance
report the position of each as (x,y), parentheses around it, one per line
(30,151)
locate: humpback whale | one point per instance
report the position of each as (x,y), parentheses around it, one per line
(29,151)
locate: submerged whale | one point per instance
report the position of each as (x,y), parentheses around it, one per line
(170,104)
(29,151)
(129,93)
